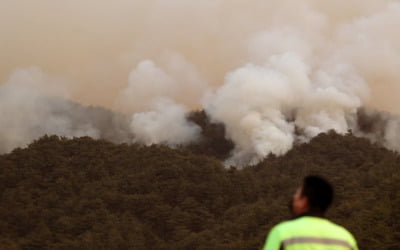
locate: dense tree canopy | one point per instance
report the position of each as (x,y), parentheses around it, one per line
(82,193)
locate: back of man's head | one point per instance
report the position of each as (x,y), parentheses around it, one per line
(319,193)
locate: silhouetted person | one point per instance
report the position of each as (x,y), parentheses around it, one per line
(309,230)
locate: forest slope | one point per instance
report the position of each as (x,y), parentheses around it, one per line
(91,194)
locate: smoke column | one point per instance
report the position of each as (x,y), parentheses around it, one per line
(274,72)
(33,104)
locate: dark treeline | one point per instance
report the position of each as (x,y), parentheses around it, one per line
(91,194)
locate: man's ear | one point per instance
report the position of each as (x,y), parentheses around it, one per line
(304,202)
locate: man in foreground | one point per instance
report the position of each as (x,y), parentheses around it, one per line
(308,229)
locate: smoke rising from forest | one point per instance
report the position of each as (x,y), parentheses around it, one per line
(275,73)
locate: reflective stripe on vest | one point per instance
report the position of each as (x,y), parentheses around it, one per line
(316,240)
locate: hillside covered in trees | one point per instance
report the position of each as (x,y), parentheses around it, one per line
(83,193)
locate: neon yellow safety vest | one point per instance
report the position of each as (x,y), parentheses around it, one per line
(309,233)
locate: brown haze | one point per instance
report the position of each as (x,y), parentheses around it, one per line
(321,60)
(95,44)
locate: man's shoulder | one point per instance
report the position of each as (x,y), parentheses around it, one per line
(311,230)
(286,225)
(300,221)
(340,230)
(312,223)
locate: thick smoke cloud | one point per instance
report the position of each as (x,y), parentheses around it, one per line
(275,73)
(33,104)
(173,77)
(261,105)
(379,127)
(167,124)
(158,88)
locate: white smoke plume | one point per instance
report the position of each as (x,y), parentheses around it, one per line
(27,113)
(173,77)
(379,127)
(33,104)
(155,90)
(166,124)
(261,105)
(274,72)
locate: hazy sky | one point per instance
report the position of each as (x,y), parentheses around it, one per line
(274,72)
(94,45)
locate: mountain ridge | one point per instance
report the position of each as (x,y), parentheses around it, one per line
(82,193)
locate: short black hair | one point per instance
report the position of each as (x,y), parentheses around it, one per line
(319,193)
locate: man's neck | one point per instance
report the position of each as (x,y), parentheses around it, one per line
(310,213)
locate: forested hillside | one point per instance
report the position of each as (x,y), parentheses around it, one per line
(82,193)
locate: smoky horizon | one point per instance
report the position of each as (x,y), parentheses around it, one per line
(250,65)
